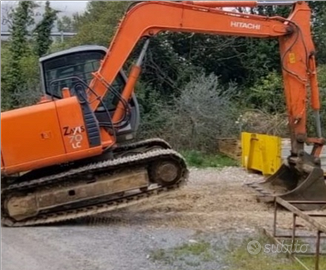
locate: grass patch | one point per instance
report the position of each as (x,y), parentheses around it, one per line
(240,259)
(195,249)
(158,255)
(189,254)
(205,255)
(203,160)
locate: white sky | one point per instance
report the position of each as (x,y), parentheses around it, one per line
(67,8)
(62,5)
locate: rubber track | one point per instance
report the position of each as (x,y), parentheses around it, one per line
(93,210)
(74,172)
(103,207)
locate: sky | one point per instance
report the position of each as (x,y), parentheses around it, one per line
(70,6)
(67,8)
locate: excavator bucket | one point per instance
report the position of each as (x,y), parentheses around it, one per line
(292,184)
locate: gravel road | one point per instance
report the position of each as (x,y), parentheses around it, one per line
(210,210)
(85,247)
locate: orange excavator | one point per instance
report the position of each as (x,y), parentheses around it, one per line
(69,156)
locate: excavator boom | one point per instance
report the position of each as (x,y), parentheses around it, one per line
(74,166)
(296,46)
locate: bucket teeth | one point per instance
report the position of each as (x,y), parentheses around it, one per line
(291,185)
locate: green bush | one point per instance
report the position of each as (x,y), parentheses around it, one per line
(203,160)
(267,94)
(322,87)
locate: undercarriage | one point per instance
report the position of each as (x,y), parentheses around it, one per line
(130,174)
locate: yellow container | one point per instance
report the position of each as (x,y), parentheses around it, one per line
(265,153)
(261,152)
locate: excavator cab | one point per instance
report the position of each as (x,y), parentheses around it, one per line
(75,66)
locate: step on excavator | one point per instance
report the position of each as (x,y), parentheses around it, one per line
(73,154)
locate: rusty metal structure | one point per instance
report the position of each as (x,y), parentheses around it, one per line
(311,219)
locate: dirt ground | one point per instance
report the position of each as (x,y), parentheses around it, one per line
(212,200)
(215,202)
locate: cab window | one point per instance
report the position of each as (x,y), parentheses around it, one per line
(60,70)
(59,73)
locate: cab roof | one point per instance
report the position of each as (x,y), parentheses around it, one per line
(73,50)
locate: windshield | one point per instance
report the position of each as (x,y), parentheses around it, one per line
(80,64)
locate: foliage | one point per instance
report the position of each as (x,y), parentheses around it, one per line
(21,19)
(164,70)
(322,88)
(216,54)
(30,91)
(98,24)
(19,64)
(192,255)
(18,48)
(266,98)
(237,59)
(267,93)
(201,113)
(43,30)
(66,24)
(204,160)
(319,24)
(5,68)
(257,121)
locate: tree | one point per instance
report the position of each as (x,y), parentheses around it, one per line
(5,78)
(202,112)
(18,48)
(319,24)
(43,30)
(267,94)
(66,24)
(322,88)
(98,24)
(21,20)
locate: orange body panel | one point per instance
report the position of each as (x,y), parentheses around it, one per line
(223,3)
(72,125)
(30,133)
(42,135)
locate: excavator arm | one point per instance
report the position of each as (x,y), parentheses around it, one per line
(297,51)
